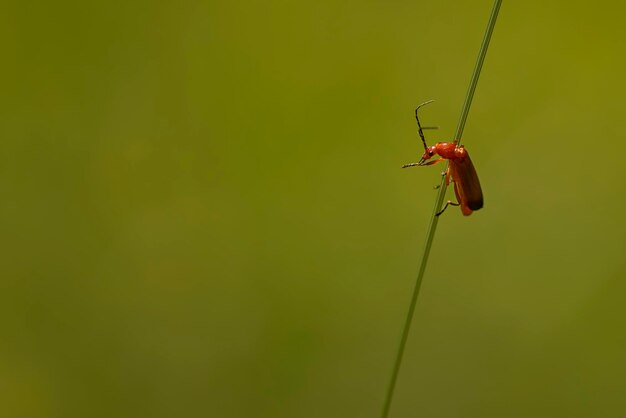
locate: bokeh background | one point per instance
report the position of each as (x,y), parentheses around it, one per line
(203,212)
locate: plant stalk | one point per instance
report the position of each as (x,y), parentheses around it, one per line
(430,235)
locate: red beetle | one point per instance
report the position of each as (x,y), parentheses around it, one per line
(466,185)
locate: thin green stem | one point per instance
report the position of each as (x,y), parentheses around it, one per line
(479,65)
(430,235)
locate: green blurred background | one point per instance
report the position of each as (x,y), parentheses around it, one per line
(204,215)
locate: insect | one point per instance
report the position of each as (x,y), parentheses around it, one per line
(461,170)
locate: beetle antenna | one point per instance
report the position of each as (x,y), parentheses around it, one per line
(419,126)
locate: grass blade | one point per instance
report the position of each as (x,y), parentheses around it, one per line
(430,235)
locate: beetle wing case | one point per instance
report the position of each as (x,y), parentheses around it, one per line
(466,183)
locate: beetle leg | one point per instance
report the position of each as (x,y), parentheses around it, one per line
(448,203)
(433,162)
(428,163)
(448,177)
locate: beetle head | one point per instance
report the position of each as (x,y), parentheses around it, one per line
(429,152)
